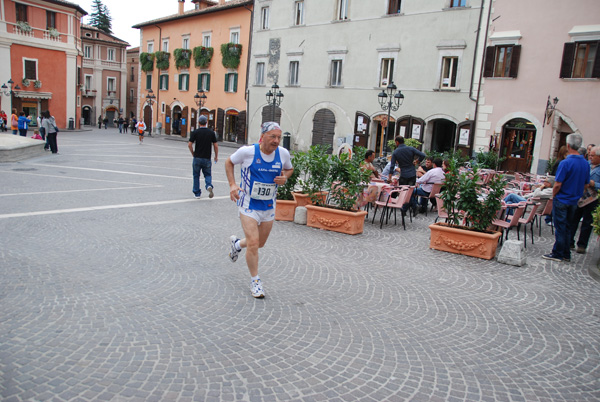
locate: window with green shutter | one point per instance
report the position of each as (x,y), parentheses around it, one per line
(184,82)
(204,82)
(148,81)
(231,81)
(164,82)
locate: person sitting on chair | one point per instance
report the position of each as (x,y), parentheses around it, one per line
(434,175)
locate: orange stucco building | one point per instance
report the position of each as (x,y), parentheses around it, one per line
(42,41)
(171,73)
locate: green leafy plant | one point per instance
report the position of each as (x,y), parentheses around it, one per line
(285,192)
(488,160)
(147,61)
(231,53)
(202,56)
(314,177)
(24,26)
(596,222)
(25,82)
(162,60)
(391,144)
(182,58)
(550,165)
(347,179)
(462,197)
(411,142)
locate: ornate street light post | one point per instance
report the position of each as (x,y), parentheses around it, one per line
(9,91)
(274,98)
(550,106)
(200,99)
(150,98)
(390,99)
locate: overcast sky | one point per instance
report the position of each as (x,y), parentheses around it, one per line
(126,13)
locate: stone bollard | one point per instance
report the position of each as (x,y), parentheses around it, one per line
(513,253)
(300,216)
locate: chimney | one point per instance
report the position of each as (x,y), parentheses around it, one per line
(180,6)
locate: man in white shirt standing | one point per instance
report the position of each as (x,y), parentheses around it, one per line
(434,175)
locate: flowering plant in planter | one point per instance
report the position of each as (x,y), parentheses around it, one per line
(182,58)
(231,53)
(202,56)
(25,82)
(147,61)
(37,84)
(24,26)
(162,60)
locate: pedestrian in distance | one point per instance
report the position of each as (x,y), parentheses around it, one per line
(133,125)
(99,121)
(14,122)
(141,127)
(572,176)
(23,124)
(264,166)
(49,125)
(105,121)
(4,121)
(121,121)
(204,138)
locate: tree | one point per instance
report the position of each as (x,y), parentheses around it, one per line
(100,17)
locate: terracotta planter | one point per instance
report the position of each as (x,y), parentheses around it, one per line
(304,199)
(463,241)
(284,210)
(335,220)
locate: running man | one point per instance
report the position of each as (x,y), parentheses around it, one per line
(141,127)
(264,166)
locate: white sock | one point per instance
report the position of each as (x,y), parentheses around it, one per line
(255,278)
(237,245)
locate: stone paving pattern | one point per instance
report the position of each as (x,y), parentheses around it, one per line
(124,292)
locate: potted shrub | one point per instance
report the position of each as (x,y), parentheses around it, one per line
(313,168)
(462,200)
(25,82)
(285,204)
(37,84)
(346,181)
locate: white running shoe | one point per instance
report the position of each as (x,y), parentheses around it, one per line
(256,289)
(233,253)
(210,192)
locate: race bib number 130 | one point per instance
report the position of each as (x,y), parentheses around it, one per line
(263,191)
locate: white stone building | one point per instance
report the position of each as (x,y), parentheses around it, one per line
(331,59)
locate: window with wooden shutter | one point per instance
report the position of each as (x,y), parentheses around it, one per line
(21,10)
(30,69)
(502,61)
(394,6)
(581,60)
(164,82)
(184,82)
(148,81)
(50,19)
(204,82)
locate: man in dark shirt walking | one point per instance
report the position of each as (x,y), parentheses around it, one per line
(204,138)
(404,156)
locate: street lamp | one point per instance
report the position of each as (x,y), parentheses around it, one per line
(150,97)
(274,97)
(390,99)
(200,99)
(5,89)
(550,106)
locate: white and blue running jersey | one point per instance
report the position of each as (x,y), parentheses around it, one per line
(258,176)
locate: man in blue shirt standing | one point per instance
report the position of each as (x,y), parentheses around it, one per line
(572,176)
(404,156)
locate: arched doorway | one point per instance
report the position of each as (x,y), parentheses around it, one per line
(111,114)
(443,135)
(323,128)
(518,140)
(86,113)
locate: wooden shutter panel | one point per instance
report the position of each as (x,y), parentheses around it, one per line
(207,82)
(235,80)
(219,123)
(226,82)
(199,86)
(488,69)
(148,81)
(596,67)
(514,61)
(566,67)
(180,81)
(240,128)
(167,126)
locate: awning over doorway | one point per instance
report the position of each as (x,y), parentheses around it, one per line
(33,95)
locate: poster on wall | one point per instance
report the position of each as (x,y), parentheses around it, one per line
(463,138)
(416,132)
(402,131)
(361,127)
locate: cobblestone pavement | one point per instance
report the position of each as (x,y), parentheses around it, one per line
(116,286)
